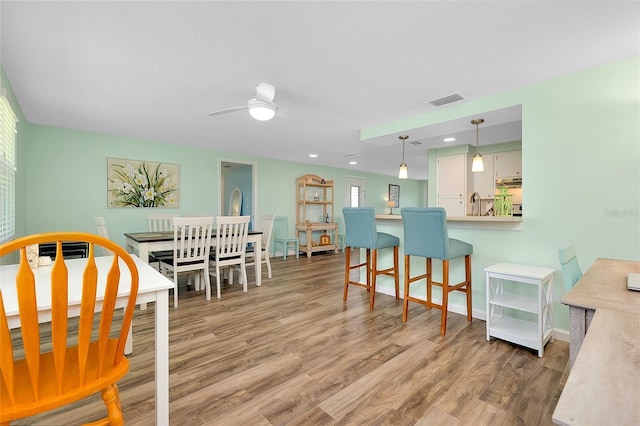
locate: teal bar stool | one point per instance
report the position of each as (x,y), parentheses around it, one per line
(571,271)
(425,235)
(361,233)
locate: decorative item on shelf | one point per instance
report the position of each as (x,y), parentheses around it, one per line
(503,204)
(477,165)
(403,172)
(325,240)
(327,219)
(322,181)
(316,197)
(391,205)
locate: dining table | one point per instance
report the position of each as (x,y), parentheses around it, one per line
(152,287)
(604,357)
(144,243)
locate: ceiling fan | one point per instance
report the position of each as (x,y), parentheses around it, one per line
(262,107)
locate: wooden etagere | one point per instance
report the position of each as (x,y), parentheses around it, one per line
(314,214)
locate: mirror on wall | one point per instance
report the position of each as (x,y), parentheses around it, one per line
(235,202)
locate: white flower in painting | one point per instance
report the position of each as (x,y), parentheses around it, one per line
(149,194)
(140,180)
(166,184)
(118,184)
(126,188)
(131,172)
(171,199)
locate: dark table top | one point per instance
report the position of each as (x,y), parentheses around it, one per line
(149,237)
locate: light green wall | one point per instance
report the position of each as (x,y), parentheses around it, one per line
(581,170)
(66,181)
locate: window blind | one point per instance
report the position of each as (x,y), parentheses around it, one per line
(8,132)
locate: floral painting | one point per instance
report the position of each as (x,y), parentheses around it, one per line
(132,183)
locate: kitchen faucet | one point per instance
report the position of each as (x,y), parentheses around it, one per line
(475,199)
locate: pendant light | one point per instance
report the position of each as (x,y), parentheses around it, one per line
(477,165)
(403,172)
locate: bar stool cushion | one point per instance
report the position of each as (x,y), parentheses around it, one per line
(361,230)
(438,245)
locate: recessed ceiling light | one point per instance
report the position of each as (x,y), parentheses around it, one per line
(353,162)
(449,139)
(313,155)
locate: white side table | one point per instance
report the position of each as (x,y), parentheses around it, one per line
(516,313)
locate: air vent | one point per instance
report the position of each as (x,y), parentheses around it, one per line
(415,143)
(445,100)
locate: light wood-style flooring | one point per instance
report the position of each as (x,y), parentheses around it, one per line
(291,353)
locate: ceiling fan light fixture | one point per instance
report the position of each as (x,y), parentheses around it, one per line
(261,110)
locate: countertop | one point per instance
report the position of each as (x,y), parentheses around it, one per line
(461,218)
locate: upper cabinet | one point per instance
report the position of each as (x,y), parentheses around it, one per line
(507,164)
(453,181)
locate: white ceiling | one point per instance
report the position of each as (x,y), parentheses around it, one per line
(153,70)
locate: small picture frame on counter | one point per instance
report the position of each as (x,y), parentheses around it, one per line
(394,194)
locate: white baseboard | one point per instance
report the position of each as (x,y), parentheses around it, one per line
(560,334)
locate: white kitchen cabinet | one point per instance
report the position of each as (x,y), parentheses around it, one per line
(453,180)
(518,314)
(507,164)
(453,206)
(484,183)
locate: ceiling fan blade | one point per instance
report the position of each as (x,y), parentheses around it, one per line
(227,110)
(265,92)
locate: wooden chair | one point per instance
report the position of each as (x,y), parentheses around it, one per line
(191,246)
(84,357)
(230,247)
(425,235)
(571,271)
(281,236)
(265,225)
(362,233)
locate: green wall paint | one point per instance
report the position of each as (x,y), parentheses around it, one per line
(581,169)
(66,185)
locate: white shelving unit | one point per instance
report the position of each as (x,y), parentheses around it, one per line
(508,297)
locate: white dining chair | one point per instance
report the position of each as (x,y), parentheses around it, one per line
(101,225)
(158,222)
(265,225)
(191,247)
(230,247)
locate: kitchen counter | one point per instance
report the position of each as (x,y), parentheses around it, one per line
(512,223)
(462,218)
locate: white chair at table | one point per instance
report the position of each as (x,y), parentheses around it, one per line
(160,223)
(191,246)
(265,225)
(101,225)
(230,247)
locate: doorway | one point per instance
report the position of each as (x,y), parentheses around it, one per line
(355,192)
(242,176)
